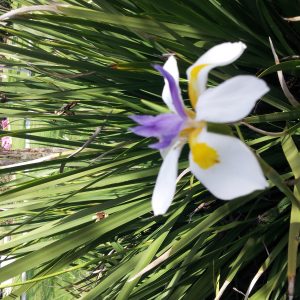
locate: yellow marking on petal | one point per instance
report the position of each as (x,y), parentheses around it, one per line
(192,89)
(193,136)
(191,114)
(203,155)
(193,129)
(186,132)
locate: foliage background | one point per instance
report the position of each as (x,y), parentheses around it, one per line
(99,54)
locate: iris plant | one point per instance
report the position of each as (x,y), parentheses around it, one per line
(222,163)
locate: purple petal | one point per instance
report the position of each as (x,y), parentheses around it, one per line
(174,90)
(164,121)
(165,127)
(142,119)
(163,143)
(144,131)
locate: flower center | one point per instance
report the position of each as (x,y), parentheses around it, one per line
(190,126)
(203,155)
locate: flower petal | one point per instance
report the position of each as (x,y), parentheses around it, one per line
(230,101)
(171,92)
(164,142)
(143,119)
(171,67)
(219,55)
(165,186)
(165,127)
(236,171)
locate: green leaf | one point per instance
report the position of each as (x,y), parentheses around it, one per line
(291,65)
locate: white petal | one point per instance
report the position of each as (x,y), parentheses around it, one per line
(171,67)
(230,101)
(165,151)
(219,55)
(237,172)
(165,186)
(222,54)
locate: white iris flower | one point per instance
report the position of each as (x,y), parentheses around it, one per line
(222,163)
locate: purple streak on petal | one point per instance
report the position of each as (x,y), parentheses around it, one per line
(165,127)
(175,92)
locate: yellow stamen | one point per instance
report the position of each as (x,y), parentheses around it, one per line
(192,89)
(203,155)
